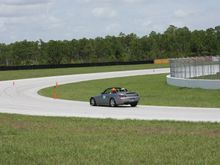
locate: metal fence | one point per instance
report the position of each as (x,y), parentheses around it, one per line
(194,66)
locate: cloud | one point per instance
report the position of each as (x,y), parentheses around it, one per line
(68,19)
(7,11)
(113,27)
(180,13)
(132,1)
(23,2)
(146,24)
(103,12)
(113,1)
(2,26)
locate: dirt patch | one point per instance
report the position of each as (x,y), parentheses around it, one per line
(21,125)
(209,133)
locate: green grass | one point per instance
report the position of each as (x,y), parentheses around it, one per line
(152,89)
(47,140)
(21,74)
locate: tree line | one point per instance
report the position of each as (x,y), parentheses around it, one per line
(174,42)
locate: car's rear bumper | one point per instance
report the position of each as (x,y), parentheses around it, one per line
(127,100)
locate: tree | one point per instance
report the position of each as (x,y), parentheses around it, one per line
(5,57)
(54,50)
(211,42)
(198,42)
(174,42)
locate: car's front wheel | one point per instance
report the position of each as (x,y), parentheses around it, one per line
(134,104)
(112,103)
(92,102)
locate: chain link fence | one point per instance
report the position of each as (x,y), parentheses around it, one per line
(193,67)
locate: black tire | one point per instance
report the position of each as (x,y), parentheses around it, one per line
(112,103)
(92,102)
(134,104)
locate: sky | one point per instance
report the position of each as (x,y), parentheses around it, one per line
(75,19)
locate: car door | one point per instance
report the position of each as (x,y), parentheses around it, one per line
(105,96)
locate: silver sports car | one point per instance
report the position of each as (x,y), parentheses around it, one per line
(115,96)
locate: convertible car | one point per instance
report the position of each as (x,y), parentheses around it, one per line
(115,96)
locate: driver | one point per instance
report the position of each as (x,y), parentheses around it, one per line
(114,90)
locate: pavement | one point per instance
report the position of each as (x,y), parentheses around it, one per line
(20,97)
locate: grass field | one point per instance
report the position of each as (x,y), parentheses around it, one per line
(46,140)
(21,74)
(53,140)
(152,89)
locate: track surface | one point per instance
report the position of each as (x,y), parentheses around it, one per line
(22,98)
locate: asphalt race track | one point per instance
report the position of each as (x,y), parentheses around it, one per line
(22,98)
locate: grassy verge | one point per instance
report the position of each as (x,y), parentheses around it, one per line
(45,140)
(21,74)
(152,89)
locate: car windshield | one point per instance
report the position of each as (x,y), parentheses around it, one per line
(114,90)
(121,90)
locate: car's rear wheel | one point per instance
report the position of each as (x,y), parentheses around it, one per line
(92,102)
(112,103)
(134,104)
